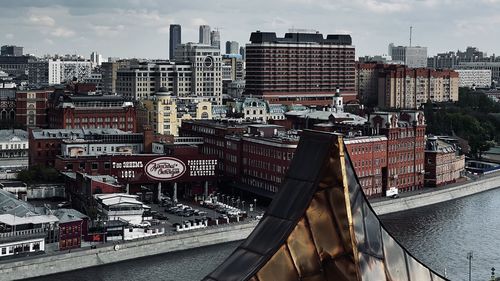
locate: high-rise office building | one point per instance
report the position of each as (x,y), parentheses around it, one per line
(175,39)
(206,70)
(243,53)
(300,68)
(204,35)
(413,57)
(9,50)
(95,59)
(215,39)
(232,47)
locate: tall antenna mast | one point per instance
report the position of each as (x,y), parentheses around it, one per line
(411,27)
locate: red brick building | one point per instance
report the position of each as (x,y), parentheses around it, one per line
(369,158)
(92,111)
(214,135)
(31,108)
(405,132)
(303,68)
(252,157)
(442,163)
(46,144)
(73,225)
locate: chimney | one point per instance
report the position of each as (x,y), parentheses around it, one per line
(148,139)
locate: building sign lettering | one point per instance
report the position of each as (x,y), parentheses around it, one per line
(165,168)
(127,165)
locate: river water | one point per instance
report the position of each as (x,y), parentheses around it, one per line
(439,235)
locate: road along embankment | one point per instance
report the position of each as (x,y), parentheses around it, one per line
(438,196)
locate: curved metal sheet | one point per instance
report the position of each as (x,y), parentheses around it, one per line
(320,227)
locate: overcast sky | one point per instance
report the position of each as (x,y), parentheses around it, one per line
(140,28)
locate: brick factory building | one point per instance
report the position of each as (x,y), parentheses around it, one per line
(369,158)
(442,163)
(300,68)
(252,157)
(89,111)
(31,108)
(392,158)
(46,144)
(405,133)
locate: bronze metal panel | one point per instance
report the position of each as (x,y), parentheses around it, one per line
(342,268)
(336,202)
(322,225)
(303,250)
(279,267)
(317,277)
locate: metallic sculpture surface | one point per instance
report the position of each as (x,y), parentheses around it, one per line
(320,227)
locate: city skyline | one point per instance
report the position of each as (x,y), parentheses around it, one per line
(141,28)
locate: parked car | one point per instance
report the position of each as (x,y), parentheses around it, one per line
(155,222)
(143,224)
(63,204)
(160,217)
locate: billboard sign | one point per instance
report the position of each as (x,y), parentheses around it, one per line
(165,168)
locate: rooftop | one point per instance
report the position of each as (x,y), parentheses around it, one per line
(13,135)
(68,215)
(74,133)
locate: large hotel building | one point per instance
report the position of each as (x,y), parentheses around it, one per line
(300,68)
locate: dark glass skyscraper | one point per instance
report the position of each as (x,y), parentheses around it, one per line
(175,39)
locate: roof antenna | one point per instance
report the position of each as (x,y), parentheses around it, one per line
(411,27)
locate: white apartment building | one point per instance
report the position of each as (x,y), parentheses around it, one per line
(480,78)
(206,67)
(53,72)
(494,67)
(142,81)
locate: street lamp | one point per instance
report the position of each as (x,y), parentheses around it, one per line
(469,257)
(255,204)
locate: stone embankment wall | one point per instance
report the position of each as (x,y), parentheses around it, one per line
(437,196)
(82,258)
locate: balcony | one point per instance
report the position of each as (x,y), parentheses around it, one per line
(23,234)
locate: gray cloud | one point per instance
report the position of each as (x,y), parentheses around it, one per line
(139,28)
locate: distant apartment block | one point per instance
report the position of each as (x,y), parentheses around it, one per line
(397,86)
(299,68)
(53,72)
(494,67)
(480,78)
(143,80)
(109,72)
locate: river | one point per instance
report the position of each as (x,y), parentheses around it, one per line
(439,235)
